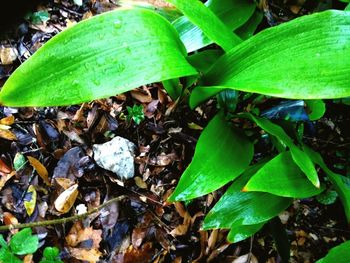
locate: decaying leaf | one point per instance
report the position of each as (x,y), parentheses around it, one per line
(66,199)
(5,177)
(78,234)
(8,55)
(40,169)
(9,120)
(8,135)
(30,200)
(90,255)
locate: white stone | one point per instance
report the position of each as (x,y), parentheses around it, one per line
(116,156)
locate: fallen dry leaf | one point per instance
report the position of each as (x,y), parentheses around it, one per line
(8,55)
(30,200)
(90,255)
(4,167)
(66,199)
(5,177)
(78,234)
(9,120)
(8,135)
(245,259)
(40,169)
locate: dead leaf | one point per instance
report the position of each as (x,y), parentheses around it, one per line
(142,95)
(5,177)
(8,135)
(140,183)
(28,258)
(65,183)
(90,255)
(8,55)
(66,199)
(9,120)
(30,200)
(40,169)
(78,234)
(245,259)
(4,167)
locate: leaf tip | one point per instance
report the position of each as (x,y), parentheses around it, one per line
(245,189)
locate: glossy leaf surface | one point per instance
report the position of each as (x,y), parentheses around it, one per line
(300,158)
(97,58)
(281,176)
(241,232)
(207,21)
(339,254)
(24,242)
(317,109)
(308,54)
(222,153)
(233,13)
(236,208)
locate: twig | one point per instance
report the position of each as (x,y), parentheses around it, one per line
(62,220)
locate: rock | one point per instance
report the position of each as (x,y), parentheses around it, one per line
(116,156)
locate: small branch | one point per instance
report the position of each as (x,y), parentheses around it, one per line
(62,220)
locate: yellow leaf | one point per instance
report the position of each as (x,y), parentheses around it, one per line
(8,135)
(30,204)
(66,199)
(9,120)
(40,169)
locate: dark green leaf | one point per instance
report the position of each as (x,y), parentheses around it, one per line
(247,30)
(327,197)
(236,208)
(207,21)
(280,237)
(338,254)
(281,176)
(241,232)
(24,242)
(222,153)
(299,157)
(99,57)
(3,243)
(173,88)
(317,109)
(347,8)
(308,54)
(340,183)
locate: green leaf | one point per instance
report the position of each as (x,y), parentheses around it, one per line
(308,54)
(233,13)
(347,8)
(222,153)
(317,108)
(280,237)
(339,254)
(340,183)
(7,257)
(3,243)
(51,255)
(24,242)
(282,177)
(108,54)
(327,197)
(207,21)
(300,158)
(241,232)
(38,17)
(173,88)
(236,208)
(19,161)
(247,30)
(135,113)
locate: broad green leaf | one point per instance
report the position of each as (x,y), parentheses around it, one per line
(99,57)
(24,242)
(169,12)
(3,242)
(241,232)
(317,108)
(247,30)
(338,254)
(340,183)
(7,257)
(203,60)
(236,208)
(282,177)
(207,21)
(233,13)
(173,88)
(300,158)
(347,8)
(306,58)
(222,154)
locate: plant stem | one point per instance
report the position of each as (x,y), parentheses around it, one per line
(62,220)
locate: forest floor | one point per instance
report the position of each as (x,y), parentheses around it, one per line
(142,226)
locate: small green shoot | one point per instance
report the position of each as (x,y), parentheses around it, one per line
(135,113)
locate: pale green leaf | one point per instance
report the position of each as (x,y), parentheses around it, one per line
(222,154)
(233,13)
(207,21)
(306,58)
(282,177)
(97,58)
